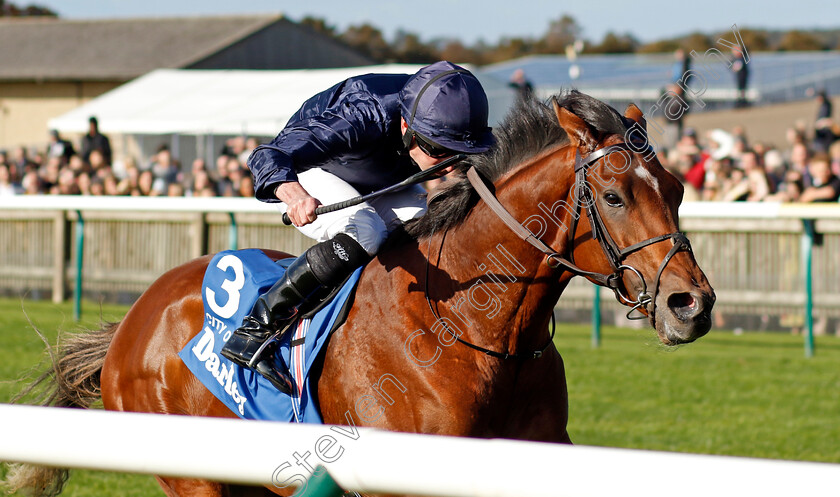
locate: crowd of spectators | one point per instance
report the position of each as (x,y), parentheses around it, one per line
(727,166)
(61,169)
(719,166)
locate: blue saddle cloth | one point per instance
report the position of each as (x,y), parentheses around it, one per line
(232,283)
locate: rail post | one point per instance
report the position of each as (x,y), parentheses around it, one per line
(320,484)
(596,318)
(80,249)
(234,232)
(808,235)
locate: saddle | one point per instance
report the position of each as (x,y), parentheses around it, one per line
(232,283)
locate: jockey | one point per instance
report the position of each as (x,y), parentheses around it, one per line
(361,135)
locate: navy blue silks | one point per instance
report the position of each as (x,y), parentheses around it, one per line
(351,130)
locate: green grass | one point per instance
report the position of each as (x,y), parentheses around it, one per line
(21,350)
(750,395)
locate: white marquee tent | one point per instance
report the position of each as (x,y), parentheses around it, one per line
(190,107)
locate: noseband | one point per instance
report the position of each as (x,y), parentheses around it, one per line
(615,256)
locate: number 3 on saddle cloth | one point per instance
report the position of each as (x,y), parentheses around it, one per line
(232,283)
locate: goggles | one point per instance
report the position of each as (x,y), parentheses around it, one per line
(432,149)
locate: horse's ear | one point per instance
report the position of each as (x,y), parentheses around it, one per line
(580,136)
(634,113)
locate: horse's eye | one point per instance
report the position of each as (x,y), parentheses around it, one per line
(613,200)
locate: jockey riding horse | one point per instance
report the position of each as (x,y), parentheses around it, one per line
(363,134)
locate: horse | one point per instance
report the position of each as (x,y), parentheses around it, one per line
(448,330)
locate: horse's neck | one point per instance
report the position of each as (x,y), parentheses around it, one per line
(502,291)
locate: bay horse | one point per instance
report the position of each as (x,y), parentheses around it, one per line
(448,330)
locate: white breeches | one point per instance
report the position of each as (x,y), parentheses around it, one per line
(369,222)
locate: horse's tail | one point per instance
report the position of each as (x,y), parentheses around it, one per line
(72,381)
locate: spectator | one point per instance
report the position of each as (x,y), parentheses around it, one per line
(774,168)
(49,173)
(524,88)
(799,156)
(682,64)
(97,186)
(825,185)
(824,110)
(198,165)
(110,185)
(6,186)
(94,140)
(19,163)
(741,70)
(84,183)
(834,154)
(754,186)
(790,190)
(223,181)
(78,165)
(59,147)
(145,184)
(201,184)
(97,162)
(246,187)
(250,144)
(175,190)
(164,169)
(32,184)
(66,183)
(130,183)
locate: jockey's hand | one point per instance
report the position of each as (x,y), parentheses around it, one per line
(301,205)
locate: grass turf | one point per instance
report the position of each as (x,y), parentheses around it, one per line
(749,395)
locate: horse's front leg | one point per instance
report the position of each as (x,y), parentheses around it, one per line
(541,403)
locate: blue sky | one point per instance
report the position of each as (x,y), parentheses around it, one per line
(490,19)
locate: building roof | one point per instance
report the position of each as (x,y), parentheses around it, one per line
(620,79)
(121,49)
(211,102)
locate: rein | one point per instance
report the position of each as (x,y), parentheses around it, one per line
(615,255)
(492,353)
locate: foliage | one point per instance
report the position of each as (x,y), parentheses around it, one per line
(614,44)
(408,47)
(8,9)
(797,41)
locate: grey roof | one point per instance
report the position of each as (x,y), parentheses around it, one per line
(121,49)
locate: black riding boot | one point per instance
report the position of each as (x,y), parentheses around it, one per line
(312,275)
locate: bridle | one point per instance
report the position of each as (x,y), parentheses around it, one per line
(615,256)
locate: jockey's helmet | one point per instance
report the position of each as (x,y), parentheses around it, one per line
(446,105)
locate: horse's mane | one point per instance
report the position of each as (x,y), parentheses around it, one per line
(529,128)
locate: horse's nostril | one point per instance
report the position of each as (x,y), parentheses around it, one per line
(684,305)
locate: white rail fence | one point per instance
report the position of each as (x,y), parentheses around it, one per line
(369,460)
(754,253)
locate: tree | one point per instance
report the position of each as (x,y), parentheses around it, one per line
(509,48)
(12,10)
(455,51)
(409,49)
(561,32)
(318,25)
(697,42)
(613,43)
(368,40)
(755,41)
(798,41)
(660,46)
